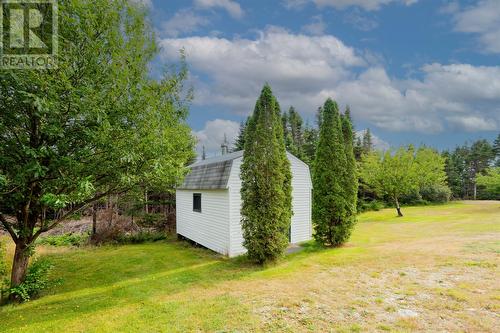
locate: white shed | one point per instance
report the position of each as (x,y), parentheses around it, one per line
(209,202)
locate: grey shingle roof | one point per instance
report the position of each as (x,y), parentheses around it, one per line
(210,174)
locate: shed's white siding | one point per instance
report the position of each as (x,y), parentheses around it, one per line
(209,228)
(301,204)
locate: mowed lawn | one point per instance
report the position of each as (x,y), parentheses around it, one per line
(436,269)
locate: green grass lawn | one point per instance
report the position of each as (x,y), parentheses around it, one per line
(434,269)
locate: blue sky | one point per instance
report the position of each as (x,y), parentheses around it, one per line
(413,71)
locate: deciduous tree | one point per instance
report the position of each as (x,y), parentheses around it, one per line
(95,125)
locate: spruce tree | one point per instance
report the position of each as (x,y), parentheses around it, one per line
(367,142)
(329,169)
(496,149)
(351,176)
(266,183)
(239,144)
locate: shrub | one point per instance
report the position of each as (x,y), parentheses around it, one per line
(36,280)
(436,193)
(64,240)
(154,221)
(141,237)
(374,205)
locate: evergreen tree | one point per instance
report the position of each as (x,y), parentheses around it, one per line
(358,149)
(239,144)
(293,133)
(351,176)
(367,141)
(329,169)
(266,183)
(496,149)
(481,156)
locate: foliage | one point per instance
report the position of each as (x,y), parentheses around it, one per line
(3,267)
(351,175)
(239,144)
(97,125)
(36,280)
(465,164)
(293,133)
(406,175)
(266,183)
(372,205)
(367,143)
(390,174)
(332,205)
(496,150)
(141,237)
(436,193)
(69,239)
(491,183)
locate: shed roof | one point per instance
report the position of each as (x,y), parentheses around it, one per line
(210,174)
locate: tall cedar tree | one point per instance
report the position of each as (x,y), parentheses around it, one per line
(330,207)
(266,183)
(351,176)
(97,125)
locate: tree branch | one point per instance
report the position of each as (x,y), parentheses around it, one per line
(8,227)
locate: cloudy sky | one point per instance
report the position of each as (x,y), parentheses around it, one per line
(413,71)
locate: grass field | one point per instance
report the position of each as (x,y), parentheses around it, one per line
(436,269)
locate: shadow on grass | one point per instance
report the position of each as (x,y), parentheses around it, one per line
(96,279)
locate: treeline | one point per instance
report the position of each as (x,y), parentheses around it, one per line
(301,139)
(467,164)
(418,176)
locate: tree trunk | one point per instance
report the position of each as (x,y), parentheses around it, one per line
(94,219)
(475,190)
(20,264)
(398,208)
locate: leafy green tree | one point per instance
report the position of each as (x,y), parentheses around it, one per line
(390,174)
(491,182)
(330,211)
(429,168)
(96,125)
(266,183)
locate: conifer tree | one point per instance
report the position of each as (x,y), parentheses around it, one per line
(351,176)
(367,142)
(496,149)
(266,183)
(329,169)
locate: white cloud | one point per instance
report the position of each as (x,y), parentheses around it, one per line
(184,21)
(360,21)
(482,19)
(342,4)
(305,70)
(473,123)
(212,135)
(316,27)
(232,7)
